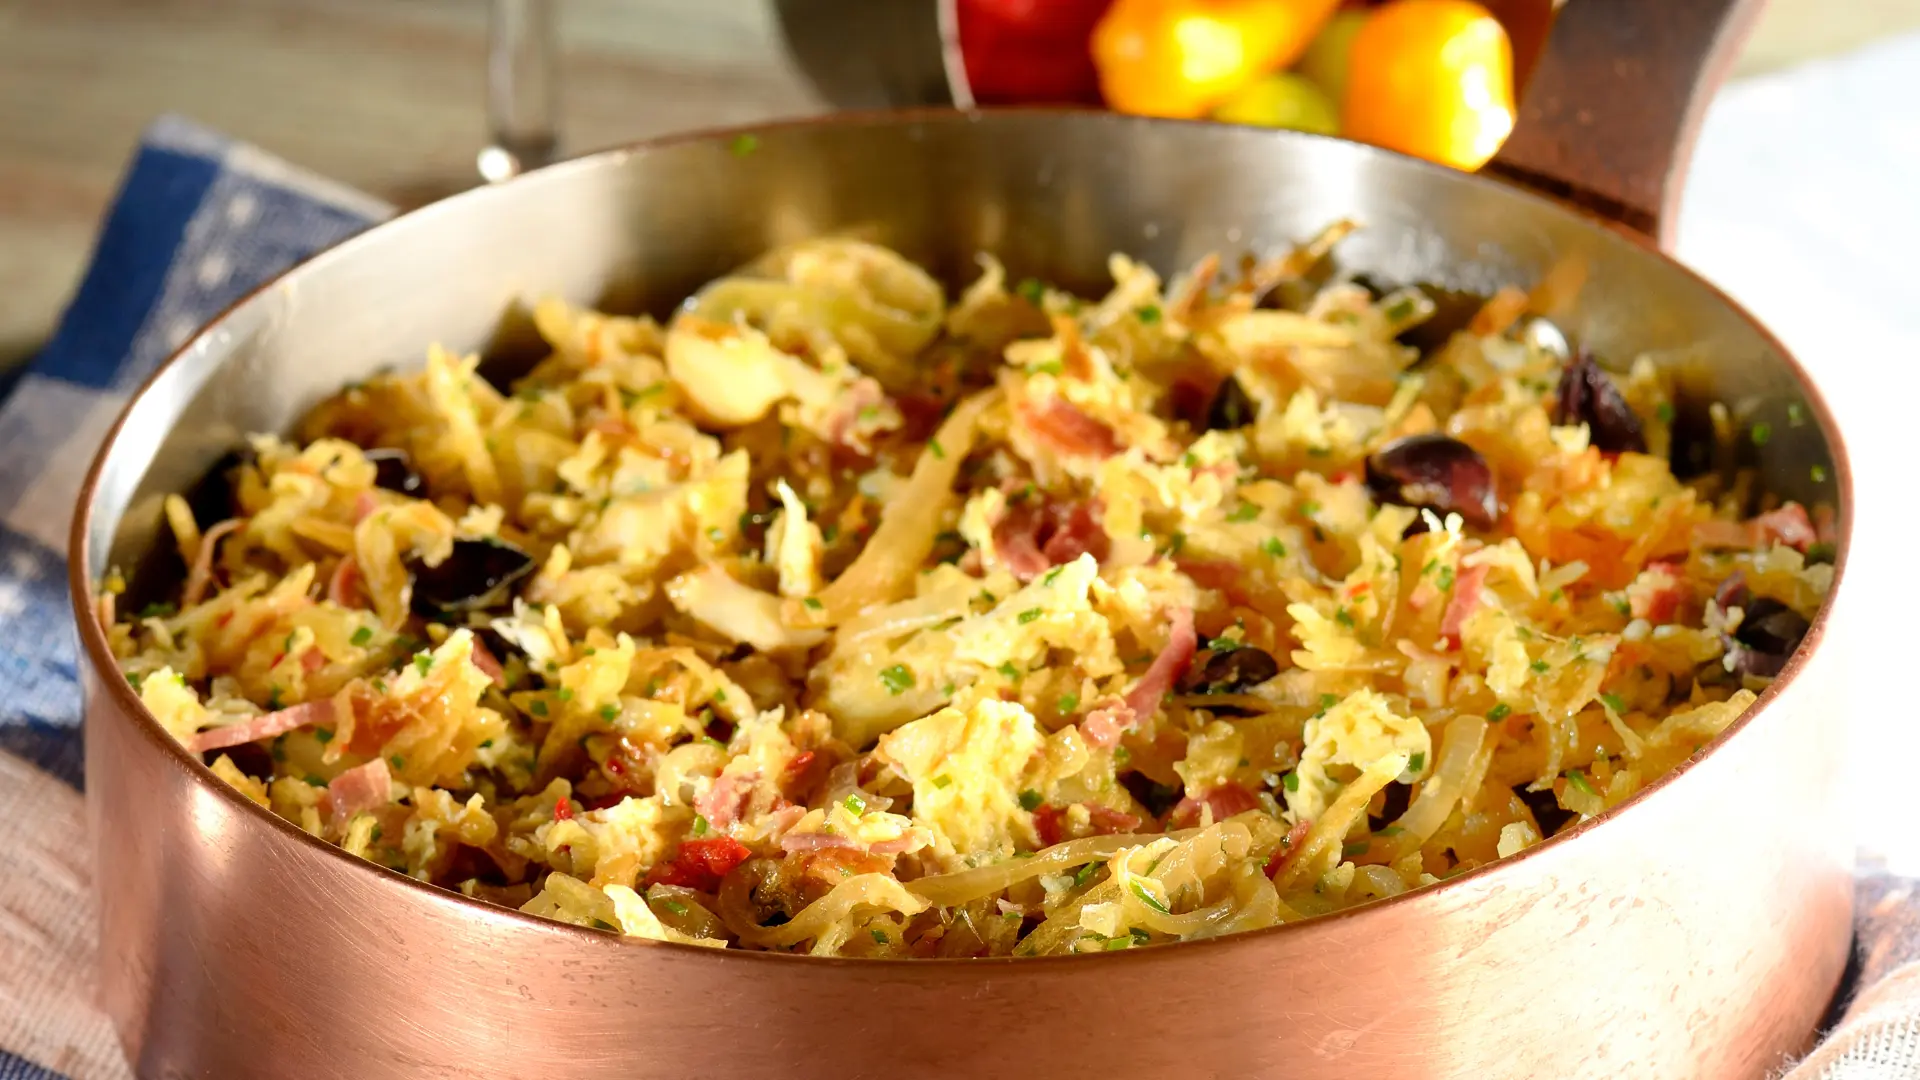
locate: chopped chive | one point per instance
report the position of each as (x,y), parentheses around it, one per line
(156,610)
(362,636)
(1819,474)
(942,780)
(1029,615)
(423,663)
(1539,666)
(939,452)
(1051,575)
(564,693)
(855,804)
(1343,617)
(324,735)
(880,937)
(1499,712)
(1048,367)
(1272,546)
(273,699)
(898,679)
(539,707)
(1291,781)
(1579,780)
(315,780)
(397,761)
(813,603)
(1762,431)
(1614,702)
(1149,314)
(1081,875)
(1400,309)
(675,907)
(1009,671)
(700,825)
(1358,847)
(602,924)
(1069,702)
(1147,898)
(609,712)
(1246,511)
(1418,762)
(1030,800)
(1796,413)
(1031,291)
(744,144)
(1328,701)
(1446,579)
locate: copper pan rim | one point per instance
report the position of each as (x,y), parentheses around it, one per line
(97,653)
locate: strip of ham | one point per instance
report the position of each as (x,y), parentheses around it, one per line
(341,588)
(1064,428)
(265,726)
(721,803)
(484,659)
(359,789)
(1225,801)
(201,574)
(1788,525)
(1289,847)
(1104,726)
(1465,601)
(1049,822)
(1032,539)
(1655,594)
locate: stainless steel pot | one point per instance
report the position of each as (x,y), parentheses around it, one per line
(1697,930)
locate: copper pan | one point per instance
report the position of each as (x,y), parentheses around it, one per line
(1698,930)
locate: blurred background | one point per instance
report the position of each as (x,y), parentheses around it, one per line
(389,96)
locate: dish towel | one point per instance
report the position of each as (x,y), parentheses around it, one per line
(1804,217)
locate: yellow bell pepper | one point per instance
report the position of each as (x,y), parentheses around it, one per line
(1181,58)
(1431,78)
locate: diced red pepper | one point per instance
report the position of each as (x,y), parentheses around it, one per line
(701,863)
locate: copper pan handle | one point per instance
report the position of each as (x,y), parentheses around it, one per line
(1611,105)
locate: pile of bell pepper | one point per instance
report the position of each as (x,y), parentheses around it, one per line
(1432,78)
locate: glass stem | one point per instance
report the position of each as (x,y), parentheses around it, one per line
(523,91)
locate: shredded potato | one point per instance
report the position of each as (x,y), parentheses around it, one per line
(829,617)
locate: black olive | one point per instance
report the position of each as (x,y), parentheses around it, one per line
(393,470)
(1587,396)
(1397,798)
(475,576)
(1769,633)
(1231,408)
(1157,798)
(211,499)
(1547,811)
(1438,473)
(1231,671)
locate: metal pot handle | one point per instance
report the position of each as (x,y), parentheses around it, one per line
(1612,107)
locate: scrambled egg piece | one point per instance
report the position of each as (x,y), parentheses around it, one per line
(967,770)
(1354,733)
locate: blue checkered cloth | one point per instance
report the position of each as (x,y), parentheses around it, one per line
(198,222)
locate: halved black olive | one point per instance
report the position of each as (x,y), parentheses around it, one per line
(1547,811)
(393,470)
(1396,798)
(476,576)
(1587,396)
(1157,798)
(1231,671)
(1437,473)
(1769,632)
(211,499)
(1231,407)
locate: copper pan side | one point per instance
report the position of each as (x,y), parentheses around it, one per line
(1697,931)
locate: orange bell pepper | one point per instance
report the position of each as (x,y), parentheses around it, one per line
(1431,78)
(1181,58)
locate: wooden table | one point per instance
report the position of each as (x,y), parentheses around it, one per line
(386,95)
